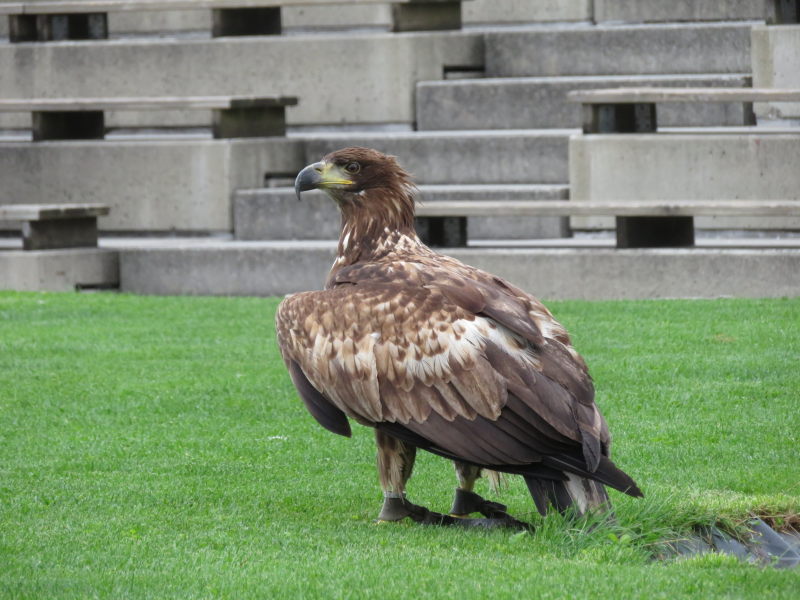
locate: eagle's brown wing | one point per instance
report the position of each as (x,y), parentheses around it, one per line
(414,361)
(486,295)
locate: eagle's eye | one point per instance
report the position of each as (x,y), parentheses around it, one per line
(352,167)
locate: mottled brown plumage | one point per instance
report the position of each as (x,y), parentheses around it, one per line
(439,355)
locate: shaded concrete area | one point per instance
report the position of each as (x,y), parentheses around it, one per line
(760,544)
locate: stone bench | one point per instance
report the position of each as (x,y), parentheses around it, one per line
(56,226)
(55,20)
(640,224)
(84,119)
(633,110)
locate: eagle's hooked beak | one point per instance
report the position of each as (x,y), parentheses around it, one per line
(320,175)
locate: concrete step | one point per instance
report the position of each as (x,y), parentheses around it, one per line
(776,64)
(150,185)
(277,268)
(62,270)
(346,16)
(751,164)
(367,77)
(275,213)
(463,157)
(655,11)
(540,102)
(619,50)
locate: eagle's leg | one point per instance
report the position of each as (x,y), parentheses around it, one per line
(395,463)
(466,501)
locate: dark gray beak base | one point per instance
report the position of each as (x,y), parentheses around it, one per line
(308,179)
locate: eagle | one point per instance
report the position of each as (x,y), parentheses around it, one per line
(437,355)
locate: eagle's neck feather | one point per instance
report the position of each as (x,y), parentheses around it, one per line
(376,222)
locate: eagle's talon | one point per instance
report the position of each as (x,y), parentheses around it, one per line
(466,503)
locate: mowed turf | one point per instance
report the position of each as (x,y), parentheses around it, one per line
(155,448)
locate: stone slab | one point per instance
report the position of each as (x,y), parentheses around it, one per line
(655,11)
(276,214)
(540,102)
(526,11)
(619,50)
(367,77)
(58,270)
(677,166)
(464,157)
(776,64)
(277,268)
(181,185)
(82,6)
(36,212)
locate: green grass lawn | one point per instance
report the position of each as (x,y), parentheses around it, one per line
(155,447)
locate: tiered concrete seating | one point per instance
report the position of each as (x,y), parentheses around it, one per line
(698,165)
(58,20)
(374,88)
(58,249)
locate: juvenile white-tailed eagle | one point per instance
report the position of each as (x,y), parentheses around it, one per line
(438,355)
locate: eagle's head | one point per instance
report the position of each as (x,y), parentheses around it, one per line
(349,173)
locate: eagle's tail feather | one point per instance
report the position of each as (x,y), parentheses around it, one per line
(607,473)
(575,492)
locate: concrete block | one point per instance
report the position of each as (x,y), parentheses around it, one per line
(470,157)
(277,268)
(656,11)
(158,21)
(776,64)
(58,270)
(276,214)
(540,102)
(341,16)
(228,269)
(619,50)
(684,166)
(366,78)
(183,185)
(525,11)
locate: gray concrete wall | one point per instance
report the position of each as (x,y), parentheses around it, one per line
(464,157)
(677,166)
(653,11)
(273,268)
(366,78)
(619,50)
(58,270)
(610,274)
(776,64)
(155,185)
